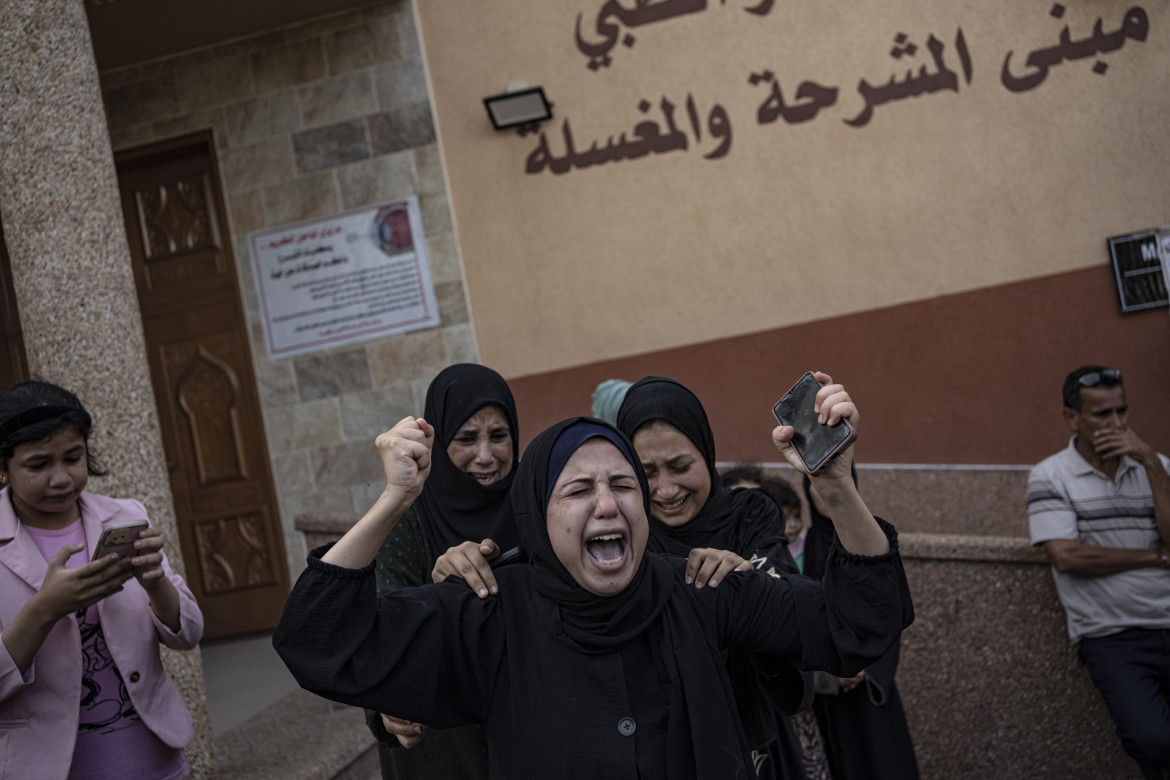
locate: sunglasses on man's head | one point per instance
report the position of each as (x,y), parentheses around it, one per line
(1104,376)
(1108,376)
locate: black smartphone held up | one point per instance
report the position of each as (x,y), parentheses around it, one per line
(119,538)
(816,443)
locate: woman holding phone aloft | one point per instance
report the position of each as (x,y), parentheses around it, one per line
(691,510)
(597,659)
(79,631)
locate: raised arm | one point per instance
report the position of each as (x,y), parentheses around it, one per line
(841,623)
(405,451)
(856,528)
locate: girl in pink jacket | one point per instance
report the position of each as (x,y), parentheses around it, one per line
(83,693)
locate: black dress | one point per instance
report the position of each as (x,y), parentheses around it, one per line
(460,753)
(750,524)
(576,685)
(865,731)
(453,508)
(442,656)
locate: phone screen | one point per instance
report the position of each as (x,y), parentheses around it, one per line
(815,442)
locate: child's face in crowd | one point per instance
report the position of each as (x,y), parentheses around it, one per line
(793,522)
(46,479)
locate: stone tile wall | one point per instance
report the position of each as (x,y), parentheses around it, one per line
(310,120)
(991,686)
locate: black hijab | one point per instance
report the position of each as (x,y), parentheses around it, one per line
(742,521)
(455,507)
(704,740)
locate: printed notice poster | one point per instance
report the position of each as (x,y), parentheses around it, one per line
(355,276)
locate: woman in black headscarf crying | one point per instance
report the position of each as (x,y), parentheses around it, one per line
(466,497)
(596,659)
(691,509)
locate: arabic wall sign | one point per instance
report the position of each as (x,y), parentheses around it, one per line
(358,275)
(1139,269)
(920,69)
(733,170)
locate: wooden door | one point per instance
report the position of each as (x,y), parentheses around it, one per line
(13,361)
(204,386)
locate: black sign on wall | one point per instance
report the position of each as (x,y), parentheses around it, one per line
(1138,270)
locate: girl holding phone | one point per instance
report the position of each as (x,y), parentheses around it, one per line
(74,629)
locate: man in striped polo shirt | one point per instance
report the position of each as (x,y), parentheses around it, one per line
(1101,508)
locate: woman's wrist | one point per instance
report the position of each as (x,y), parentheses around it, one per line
(836,491)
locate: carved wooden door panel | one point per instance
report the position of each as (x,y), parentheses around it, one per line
(13,362)
(201,368)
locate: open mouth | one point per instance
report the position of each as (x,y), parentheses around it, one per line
(486,479)
(607,550)
(673,506)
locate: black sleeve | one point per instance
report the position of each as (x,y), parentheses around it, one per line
(426,654)
(840,624)
(882,671)
(764,542)
(774,558)
(404,560)
(788,689)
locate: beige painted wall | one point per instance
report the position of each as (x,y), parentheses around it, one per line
(946,192)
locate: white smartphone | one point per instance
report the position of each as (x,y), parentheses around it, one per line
(119,538)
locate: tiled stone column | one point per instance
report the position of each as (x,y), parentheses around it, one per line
(71,270)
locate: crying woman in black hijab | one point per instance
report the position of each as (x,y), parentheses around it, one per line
(464,506)
(595,659)
(690,508)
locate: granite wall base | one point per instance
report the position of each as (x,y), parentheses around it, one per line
(991,686)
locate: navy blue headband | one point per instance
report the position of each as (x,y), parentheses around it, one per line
(568,442)
(39,414)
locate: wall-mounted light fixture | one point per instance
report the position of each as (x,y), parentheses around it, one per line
(518,107)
